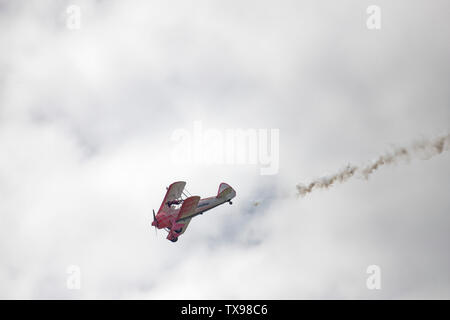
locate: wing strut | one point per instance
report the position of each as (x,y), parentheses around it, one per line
(187,194)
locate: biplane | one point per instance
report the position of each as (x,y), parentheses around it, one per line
(177,208)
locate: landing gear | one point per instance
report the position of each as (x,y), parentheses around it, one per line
(174,239)
(229,201)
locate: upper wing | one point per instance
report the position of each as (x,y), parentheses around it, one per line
(173,192)
(188,208)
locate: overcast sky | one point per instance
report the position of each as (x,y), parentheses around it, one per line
(88,114)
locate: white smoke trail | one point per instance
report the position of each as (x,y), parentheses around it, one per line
(424,149)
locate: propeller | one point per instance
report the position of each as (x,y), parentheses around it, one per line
(156,223)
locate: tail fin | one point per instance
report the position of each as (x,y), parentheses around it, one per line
(226,191)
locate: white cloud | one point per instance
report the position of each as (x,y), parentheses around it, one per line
(86,118)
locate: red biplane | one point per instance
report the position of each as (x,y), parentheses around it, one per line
(176,212)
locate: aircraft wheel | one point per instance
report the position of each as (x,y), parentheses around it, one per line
(174,240)
(230,202)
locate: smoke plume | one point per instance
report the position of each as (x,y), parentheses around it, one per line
(424,149)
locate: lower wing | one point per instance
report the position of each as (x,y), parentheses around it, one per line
(186,223)
(188,208)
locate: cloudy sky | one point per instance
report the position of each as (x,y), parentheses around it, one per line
(89,109)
